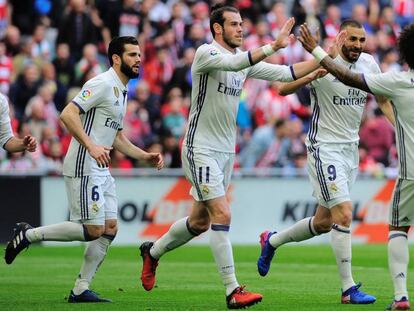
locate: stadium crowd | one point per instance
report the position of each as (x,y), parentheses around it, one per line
(48,49)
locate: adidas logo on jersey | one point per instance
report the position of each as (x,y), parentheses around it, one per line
(116,103)
(406,219)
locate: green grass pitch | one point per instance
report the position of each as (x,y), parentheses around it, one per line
(301,278)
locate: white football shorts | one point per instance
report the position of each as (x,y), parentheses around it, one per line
(92,199)
(208,171)
(401,212)
(333,169)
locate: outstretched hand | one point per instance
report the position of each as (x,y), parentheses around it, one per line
(337,44)
(30,143)
(284,36)
(155,159)
(309,43)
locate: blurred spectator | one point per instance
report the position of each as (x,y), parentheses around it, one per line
(389,26)
(6,69)
(256,146)
(151,103)
(136,124)
(377,136)
(12,40)
(120,160)
(40,46)
(273,106)
(24,88)
(182,73)
(174,115)
(158,71)
(64,65)
(76,28)
(60,91)
(277,154)
(25,58)
(23,15)
(332,21)
(88,62)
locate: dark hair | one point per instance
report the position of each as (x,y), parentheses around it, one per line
(216,15)
(117,46)
(350,23)
(279,123)
(405,44)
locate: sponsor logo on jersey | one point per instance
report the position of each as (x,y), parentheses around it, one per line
(116,103)
(86,94)
(355,98)
(236,82)
(213,52)
(112,124)
(116,92)
(222,88)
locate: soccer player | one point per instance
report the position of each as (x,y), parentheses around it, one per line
(332,160)
(218,73)
(95,119)
(7,140)
(399,88)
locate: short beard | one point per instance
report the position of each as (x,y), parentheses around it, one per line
(126,70)
(228,42)
(346,53)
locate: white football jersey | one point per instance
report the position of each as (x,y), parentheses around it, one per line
(218,77)
(337,108)
(5,126)
(103,101)
(399,88)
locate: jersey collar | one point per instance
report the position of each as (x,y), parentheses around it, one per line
(121,86)
(222,49)
(342,61)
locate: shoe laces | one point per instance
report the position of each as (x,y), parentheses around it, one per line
(240,290)
(356,292)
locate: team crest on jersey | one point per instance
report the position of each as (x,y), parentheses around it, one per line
(206,190)
(116,91)
(95,207)
(333,187)
(86,94)
(213,52)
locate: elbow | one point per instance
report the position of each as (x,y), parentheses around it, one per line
(283,92)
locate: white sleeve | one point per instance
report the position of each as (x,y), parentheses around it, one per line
(90,95)
(208,58)
(270,72)
(5,126)
(381,84)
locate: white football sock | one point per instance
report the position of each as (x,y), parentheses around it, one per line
(64,231)
(223,255)
(300,231)
(341,245)
(178,234)
(398,257)
(93,257)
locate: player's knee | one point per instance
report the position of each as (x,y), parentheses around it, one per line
(111,228)
(345,220)
(222,216)
(323,225)
(95,232)
(200,225)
